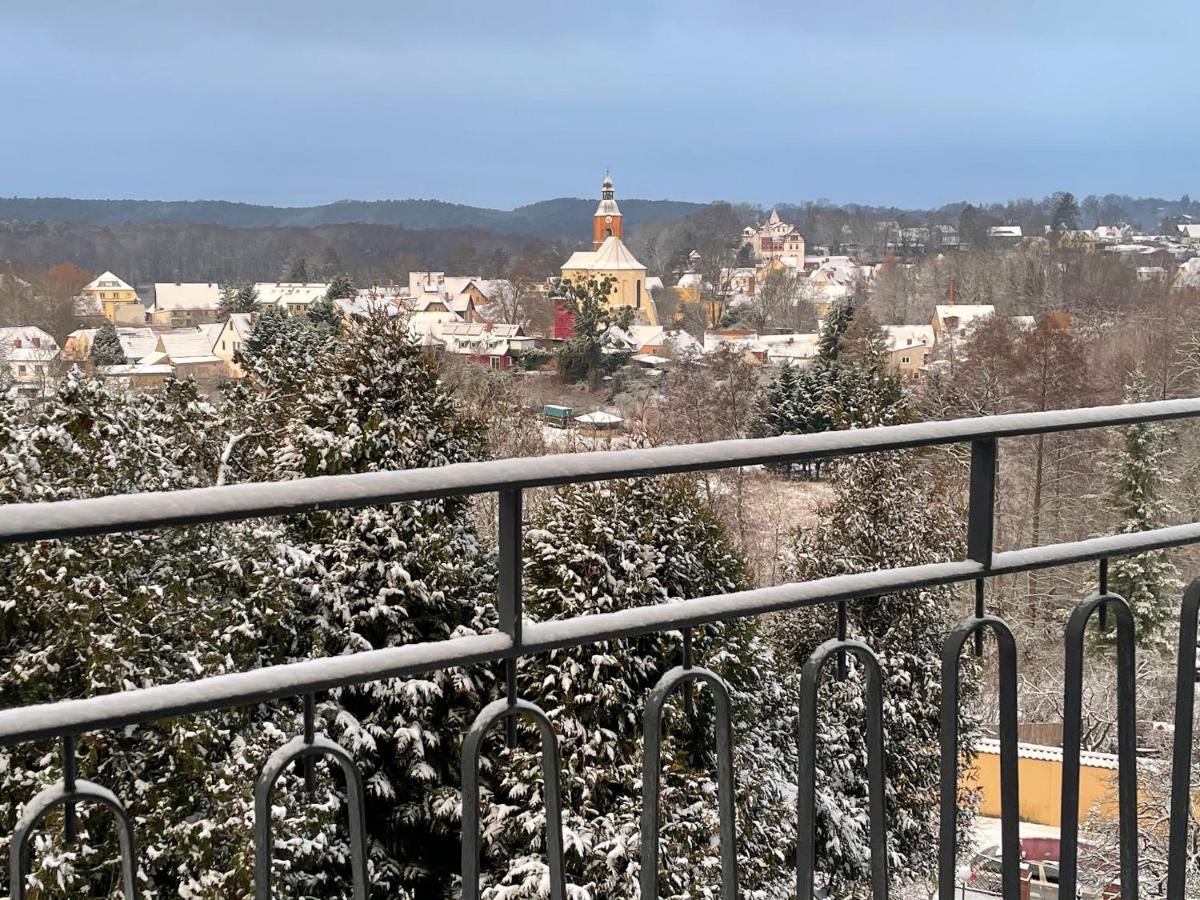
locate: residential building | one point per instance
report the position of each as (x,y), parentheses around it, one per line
(184,304)
(230,339)
(138,343)
(190,351)
(612,259)
(294,296)
(28,354)
(118,301)
(954,318)
(909,348)
(774,238)
(1005,233)
(493,345)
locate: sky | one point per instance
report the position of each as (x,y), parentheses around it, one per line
(505,103)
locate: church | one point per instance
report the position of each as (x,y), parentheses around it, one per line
(609,257)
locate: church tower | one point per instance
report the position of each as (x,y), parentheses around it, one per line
(607,221)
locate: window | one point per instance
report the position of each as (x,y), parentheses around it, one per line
(905,359)
(222,345)
(20,370)
(608,232)
(639,293)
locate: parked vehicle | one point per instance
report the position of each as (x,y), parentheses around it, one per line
(1039,868)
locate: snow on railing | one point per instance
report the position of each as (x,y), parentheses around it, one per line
(517,638)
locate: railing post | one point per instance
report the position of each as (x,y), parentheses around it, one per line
(981,517)
(510,600)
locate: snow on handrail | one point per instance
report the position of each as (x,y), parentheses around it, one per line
(130,512)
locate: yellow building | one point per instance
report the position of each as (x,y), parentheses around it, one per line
(117,300)
(1039,777)
(610,258)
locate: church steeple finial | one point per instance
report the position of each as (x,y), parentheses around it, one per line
(607,221)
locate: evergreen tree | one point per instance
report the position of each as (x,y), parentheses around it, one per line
(106,346)
(888,510)
(241,299)
(1139,484)
(837,321)
(386,577)
(583,356)
(324,315)
(598,548)
(101,614)
(1066,212)
(341,287)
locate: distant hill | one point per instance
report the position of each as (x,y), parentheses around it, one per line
(568,217)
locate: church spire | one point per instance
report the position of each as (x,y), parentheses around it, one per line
(607,221)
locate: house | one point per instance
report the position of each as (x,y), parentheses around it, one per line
(137,343)
(184,304)
(230,339)
(190,351)
(1188,274)
(651,340)
(1151,274)
(1190,234)
(29,354)
(794,349)
(909,348)
(459,294)
(610,258)
(138,377)
(493,345)
(296,297)
(773,238)
(690,285)
(118,301)
(954,318)
(1005,232)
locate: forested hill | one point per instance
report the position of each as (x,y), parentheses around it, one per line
(567,217)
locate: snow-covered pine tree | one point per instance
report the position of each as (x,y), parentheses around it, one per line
(390,576)
(241,299)
(341,287)
(598,548)
(888,510)
(1139,483)
(106,613)
(324,314)
(106,346)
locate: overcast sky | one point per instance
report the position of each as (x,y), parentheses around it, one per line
(506,102)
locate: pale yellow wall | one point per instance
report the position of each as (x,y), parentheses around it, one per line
(916,359)
(229,341)
(625,289)
(1040,782)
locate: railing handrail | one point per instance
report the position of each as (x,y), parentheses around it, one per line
(136,512)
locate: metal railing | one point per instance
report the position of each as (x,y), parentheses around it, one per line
(67,720)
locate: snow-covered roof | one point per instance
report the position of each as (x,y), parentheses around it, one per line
(135,369)
(612,255)
(187,295)
(599,418)
(190,345)
(649,359)
(903,336)
(1051,754)
(1005,231)
(26,336)
(289,293)
(1190,231)
(136,342)
(107,282)
(964,312)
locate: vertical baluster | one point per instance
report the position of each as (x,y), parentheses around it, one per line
(297,749)
(1181,755)
(981,517)
(310,729)
(552,791)
(843,624)
(510,594)
(1010,794)
(70,829)
(810,682)
(689,708)
(1126,744)
(59,795)
(683,676)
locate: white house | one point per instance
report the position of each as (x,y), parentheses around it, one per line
(296,297)
(28,353)
(182,304)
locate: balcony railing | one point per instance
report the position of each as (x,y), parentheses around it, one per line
(69,719)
